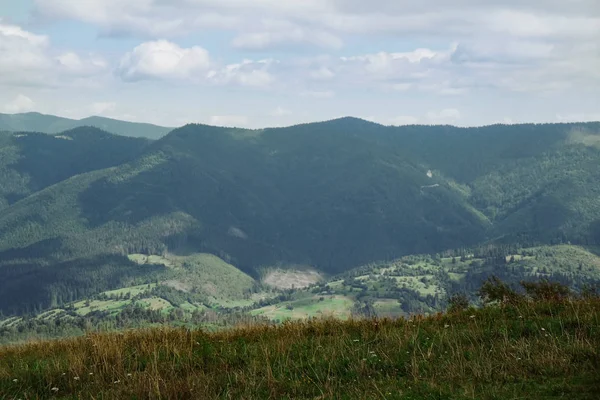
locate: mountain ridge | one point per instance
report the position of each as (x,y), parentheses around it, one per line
(332,195)
(51,124)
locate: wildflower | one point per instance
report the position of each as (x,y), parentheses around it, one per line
(520,316)
(472,316)
(129,375)
(64,373)
(356,340)
(91,373)
(76,378)
(543,329)
(446,326)
(15,380)
(54,389)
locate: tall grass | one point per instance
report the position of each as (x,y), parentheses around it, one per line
(532,350)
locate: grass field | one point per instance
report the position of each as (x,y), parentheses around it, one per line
(311,307)
(528,351)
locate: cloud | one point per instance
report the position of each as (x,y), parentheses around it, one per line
(445,116)
(318,94)
(285,34)
(322,73)
(404,120)
(579,117)
(229,120)
(246,73)
(19,104)
(29,59)
(73,63)
(280,112)
(163,59)
(102,108)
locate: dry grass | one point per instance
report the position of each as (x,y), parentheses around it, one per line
(532,351)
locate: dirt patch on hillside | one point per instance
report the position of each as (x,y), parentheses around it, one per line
(178,285)
(282,279)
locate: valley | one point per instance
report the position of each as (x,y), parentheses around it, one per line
(341,218)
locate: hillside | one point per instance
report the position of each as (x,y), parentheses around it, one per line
(333,196)
(36,122)
(31,161)
(542,348)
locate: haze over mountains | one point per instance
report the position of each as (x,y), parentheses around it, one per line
(36,122)
(332,195)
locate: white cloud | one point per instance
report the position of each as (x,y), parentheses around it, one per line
(404,120)
(322,73)
(73,63)
(285,36)
(163,59)
(19,104)
(318,94)
(229,120)
(102,108)
(445,116)
(246,73)
(29,59)
(578,117)
(280,112)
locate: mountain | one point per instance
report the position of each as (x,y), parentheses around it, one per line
(332,195)
(36,122)
(33,161)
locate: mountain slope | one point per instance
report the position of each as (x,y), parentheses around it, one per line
(36,122)
(332,195)
(32,161)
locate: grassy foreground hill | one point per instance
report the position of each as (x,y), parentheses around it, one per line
(546,347)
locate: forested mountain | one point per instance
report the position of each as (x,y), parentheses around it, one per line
(332,195)
(32,161)
(36,122)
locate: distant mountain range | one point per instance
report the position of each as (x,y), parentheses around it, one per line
(332,195)
(36,122)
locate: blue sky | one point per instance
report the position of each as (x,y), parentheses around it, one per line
(258,63)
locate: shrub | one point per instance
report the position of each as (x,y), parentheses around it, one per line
(494,290)
(546,290)
(458,302)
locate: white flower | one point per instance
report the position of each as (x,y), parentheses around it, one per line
(356,340)
(472,316)
(54,389)
(76,378)
(15,380)
(543,329)
(128,374)
(91,373)
(117,381)
(446,326)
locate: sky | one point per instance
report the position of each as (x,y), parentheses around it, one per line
(261,63)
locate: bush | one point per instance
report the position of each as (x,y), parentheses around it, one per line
(458,302)
(546,290)
(494,290)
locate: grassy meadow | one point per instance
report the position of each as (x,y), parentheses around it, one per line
(546,349)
